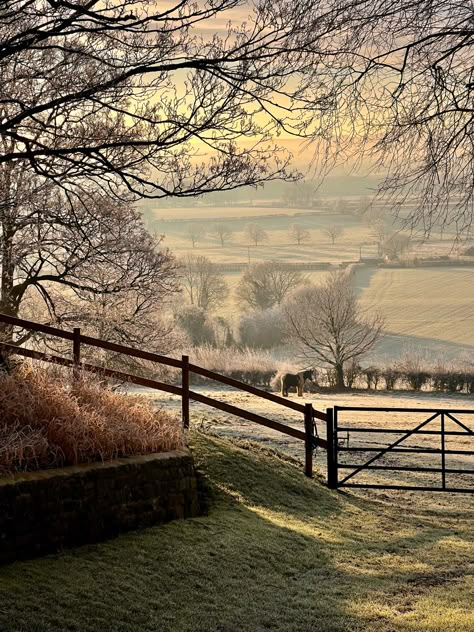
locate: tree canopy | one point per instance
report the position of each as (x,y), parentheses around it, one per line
(152,99)
(150,96)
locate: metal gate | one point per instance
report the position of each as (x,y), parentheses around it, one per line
(368,447)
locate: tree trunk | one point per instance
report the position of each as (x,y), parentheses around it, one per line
(339,368)
(8,304)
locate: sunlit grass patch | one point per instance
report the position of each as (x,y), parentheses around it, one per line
(277,551)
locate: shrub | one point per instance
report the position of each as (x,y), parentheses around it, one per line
(248,365)
(449,380)
(416,379)
(391,376)
(372,376)
(194,322)
(413,370)
(56,422)
(263,329)
(330,376)
(352,371)
(470,382)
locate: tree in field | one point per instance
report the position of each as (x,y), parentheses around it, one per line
(395,245)
(66,259)
(326,324)
(266,284)
(299,233)
(194,232)
(299,194)
(203,284)
(222,232)
(379,232)
(255,233)
(333,232)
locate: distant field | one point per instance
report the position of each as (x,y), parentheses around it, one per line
(356,239)
(429,302)
(279,244)
(223,212)
(426,307)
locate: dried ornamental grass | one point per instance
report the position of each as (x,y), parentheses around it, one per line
(49,422)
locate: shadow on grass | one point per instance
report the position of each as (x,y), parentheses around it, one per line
(275,552)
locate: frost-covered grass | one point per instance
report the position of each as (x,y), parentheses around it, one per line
(432,303)
(276,552)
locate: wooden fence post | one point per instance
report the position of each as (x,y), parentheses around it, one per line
(185,389)
(76,352)
(308,442)
(331,449)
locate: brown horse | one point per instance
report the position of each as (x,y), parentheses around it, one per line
(295,379)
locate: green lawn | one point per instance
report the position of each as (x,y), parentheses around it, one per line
(275,552)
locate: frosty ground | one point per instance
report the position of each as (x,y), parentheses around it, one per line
(229,426)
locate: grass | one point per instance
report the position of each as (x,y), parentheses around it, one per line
(276,552)
(429,302)
(49,420)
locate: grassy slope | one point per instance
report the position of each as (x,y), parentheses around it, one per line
(276,552)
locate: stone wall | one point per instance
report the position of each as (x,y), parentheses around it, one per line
(42,512)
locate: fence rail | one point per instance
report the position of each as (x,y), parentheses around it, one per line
(309,436)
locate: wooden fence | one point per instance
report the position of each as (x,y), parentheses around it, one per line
(308,436)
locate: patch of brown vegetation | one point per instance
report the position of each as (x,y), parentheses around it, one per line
(53,421)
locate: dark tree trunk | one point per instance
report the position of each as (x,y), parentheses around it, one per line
(8,304)
(339,369)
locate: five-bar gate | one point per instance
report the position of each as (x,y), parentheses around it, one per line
(401,448)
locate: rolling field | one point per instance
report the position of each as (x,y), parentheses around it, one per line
(433,303)
(427,308)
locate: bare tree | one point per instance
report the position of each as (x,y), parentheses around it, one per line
(266,284)
(222,232)
(195,232)
(333,232)
(395,245)
(255,233)
(136,93)
(400,78)
(327,324)
(95,90)
(299,233)
(63,256)
(379,232)
(301,194)
(203,284)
